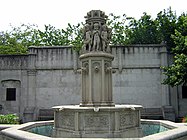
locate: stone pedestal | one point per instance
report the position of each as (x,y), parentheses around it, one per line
(121,121)
(96,73)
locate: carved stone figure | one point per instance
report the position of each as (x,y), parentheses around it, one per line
(104,37)
(96,33)
(109,38)
(87,38)
(96,37)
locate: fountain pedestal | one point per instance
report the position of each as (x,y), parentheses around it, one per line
(120,121)
(96,69)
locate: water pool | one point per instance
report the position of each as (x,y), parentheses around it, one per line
(148,129)
(152,129)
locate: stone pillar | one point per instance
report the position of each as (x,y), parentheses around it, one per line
(96,61)
(96,79)
(75,61)
(120,65)
(168,110)
(31,92)
(175,99)
(164,88)
(30,112)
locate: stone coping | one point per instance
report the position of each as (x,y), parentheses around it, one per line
(77,107)
(49,47)
(96,54)
(5,126)
(178,130)
(113,46)
(13,55)
(139,45)
(16,132)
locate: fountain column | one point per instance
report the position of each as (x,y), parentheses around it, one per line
(96,61)
(96,79)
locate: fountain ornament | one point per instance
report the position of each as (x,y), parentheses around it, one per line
(97,116)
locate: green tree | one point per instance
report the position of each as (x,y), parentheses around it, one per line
(125,30)
(76,38)
(20,38)
(166,24)
(52,36)
(117,24)
(146,30)
(9,45)
(143,31)
(177,72)
(17,40)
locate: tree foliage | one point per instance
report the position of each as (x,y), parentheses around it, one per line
(117,24)
(20,38)
(166,21)
(144,31)
(177,72)
(125,30)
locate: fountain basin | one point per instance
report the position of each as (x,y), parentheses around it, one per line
(119,121)
(21,132)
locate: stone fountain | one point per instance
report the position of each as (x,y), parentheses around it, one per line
(97,115)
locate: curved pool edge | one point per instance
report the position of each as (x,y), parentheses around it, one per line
(19,132)
(178,130)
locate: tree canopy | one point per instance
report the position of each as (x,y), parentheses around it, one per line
(20,38)
(177,72)
(126,30)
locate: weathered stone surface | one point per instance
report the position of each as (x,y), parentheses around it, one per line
(96,81)
(120,121)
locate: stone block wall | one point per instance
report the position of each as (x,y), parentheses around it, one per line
(48,77)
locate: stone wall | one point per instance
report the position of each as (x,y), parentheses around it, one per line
(13,62)
(48,77)
(138,76)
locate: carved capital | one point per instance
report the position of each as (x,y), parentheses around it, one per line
(31,72)
(84,67)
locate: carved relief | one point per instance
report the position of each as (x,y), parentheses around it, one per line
(11,83)
(67,120)
(85,67)
(127,120)
(96,121)
(96,66)
(108,67)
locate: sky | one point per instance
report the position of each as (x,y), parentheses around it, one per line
(61,12)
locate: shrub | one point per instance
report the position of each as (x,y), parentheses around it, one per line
(9,119)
